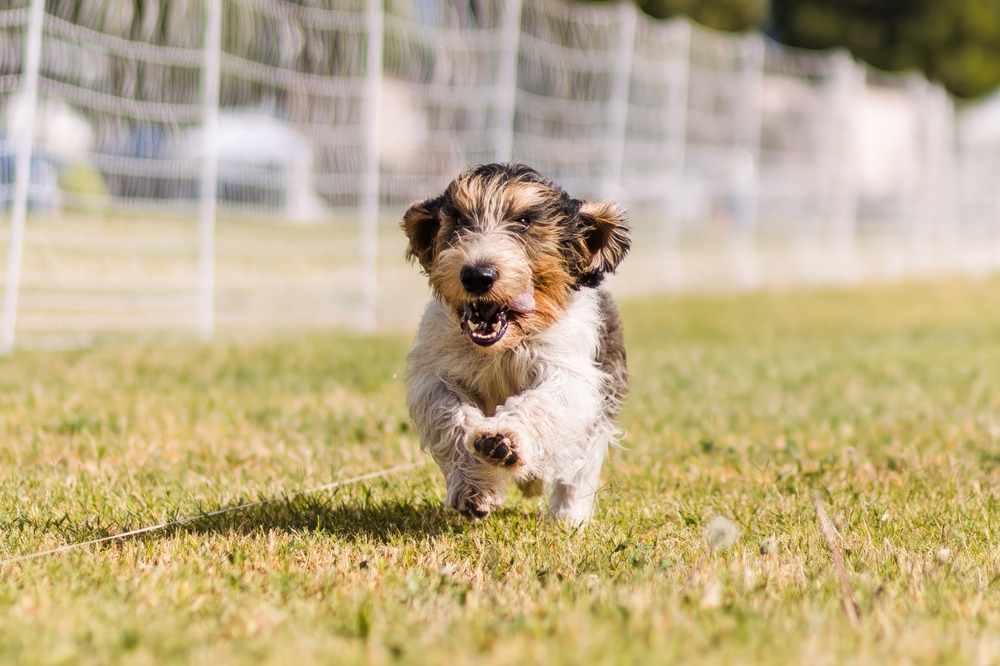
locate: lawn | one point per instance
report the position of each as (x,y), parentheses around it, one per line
(882,402)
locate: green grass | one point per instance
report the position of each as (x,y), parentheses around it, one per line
(883,401)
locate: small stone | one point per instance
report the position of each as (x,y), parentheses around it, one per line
(769,546)
(943,556)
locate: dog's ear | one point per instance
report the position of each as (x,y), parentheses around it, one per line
(606,236)
(421,224)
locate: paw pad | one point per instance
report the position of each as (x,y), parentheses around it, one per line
(498,449)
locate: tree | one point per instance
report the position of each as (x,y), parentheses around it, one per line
(729,15)
(956,42)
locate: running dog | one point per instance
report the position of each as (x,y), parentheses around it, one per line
(518,372)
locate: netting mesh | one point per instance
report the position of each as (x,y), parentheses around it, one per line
(293,107)
(138,92)
(655,144)
(723,126)
(443,100)
(724,138)
(978,131)
(565,122)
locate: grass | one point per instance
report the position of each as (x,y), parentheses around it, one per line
(881,401)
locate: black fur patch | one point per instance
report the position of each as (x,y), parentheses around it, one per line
(611,354)
(421,224)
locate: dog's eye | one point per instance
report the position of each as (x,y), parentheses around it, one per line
(524,221)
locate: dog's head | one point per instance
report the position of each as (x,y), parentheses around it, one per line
(505,248)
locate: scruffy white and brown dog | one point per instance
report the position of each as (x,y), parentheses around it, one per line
(518,372)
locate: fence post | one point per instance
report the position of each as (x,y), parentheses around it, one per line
(370,186)
(746,162)
(676,115)
(32,61)
(209,168)
(842,194)
(617,117)
(506,91)
(947,172)
(820,172)
(935,209)
(676,134)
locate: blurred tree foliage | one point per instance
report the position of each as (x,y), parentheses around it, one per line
(730,15)
(956,42)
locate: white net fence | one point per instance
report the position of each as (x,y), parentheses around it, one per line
(742,162)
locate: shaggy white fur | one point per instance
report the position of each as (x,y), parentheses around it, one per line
(546,394)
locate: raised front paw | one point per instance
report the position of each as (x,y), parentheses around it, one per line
(497,448)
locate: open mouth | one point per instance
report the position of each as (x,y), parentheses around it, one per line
(485,323)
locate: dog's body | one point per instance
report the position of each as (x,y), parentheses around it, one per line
(518,372)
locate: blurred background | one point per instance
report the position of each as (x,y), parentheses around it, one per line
(174,168)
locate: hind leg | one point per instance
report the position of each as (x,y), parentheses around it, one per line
(571,500)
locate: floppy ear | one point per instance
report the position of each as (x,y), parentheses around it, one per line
(421,223)
(606,236)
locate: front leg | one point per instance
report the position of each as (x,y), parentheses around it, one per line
(448,424)
(556,433)
(474,490)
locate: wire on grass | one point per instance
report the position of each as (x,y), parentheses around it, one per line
(398,469)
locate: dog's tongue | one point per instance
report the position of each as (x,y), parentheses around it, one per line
(523,303)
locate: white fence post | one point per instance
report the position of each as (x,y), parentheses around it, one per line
(946,174)
(506,91)
(209,168)
(936,189)
(676,120)
(676,116)
(847,88)
(370,187)
(617,117)
(22,171)
(746,162)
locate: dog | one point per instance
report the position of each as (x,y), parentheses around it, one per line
(518,371)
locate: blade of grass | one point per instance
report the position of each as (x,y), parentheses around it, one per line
(833,544)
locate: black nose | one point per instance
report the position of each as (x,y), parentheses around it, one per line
(478,280)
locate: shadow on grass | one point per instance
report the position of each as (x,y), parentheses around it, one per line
(351,519)
(355,520)
(381,521)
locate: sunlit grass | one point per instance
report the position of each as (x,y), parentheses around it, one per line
(883,401)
